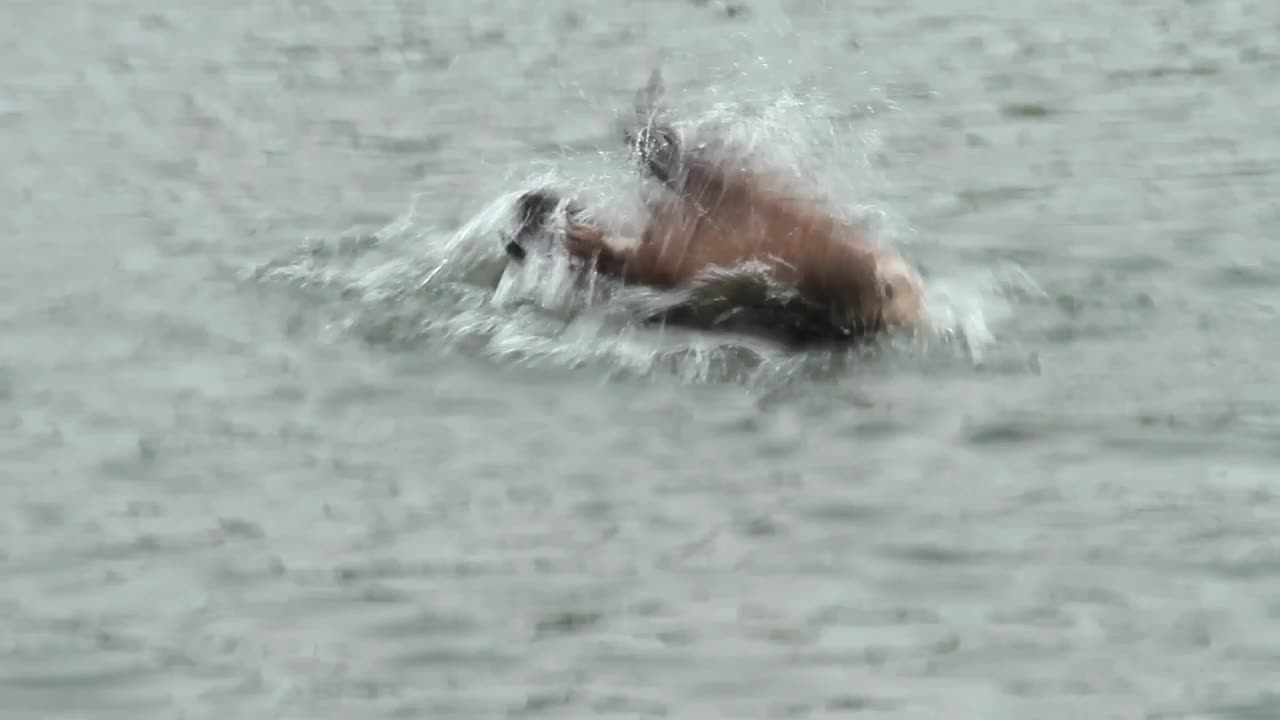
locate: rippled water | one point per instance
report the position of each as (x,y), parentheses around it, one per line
(282,441)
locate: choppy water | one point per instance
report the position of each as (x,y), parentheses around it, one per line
(277,443)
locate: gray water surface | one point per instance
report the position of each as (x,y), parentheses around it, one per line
(272,450)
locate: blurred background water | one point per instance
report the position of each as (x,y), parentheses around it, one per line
(275,445)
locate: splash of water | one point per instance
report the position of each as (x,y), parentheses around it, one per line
(413,282)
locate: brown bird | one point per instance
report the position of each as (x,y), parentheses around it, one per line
(756,254)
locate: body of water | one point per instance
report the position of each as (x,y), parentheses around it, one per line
(281,441)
